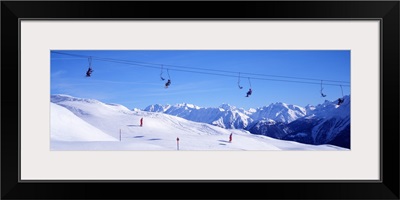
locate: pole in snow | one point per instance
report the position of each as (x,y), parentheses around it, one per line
(120,135)
(177,143)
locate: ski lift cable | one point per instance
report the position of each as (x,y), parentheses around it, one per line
(225,75)
(209,73)
(342,90)
(240,87)
(162,78)
(249,81)
(90,61)
(218,74)
(254,74)
(321,86)
(146,66)
(322,94)
(191,71)
(130,61)
(203,69)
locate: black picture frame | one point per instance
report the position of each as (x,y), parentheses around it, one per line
(13,11)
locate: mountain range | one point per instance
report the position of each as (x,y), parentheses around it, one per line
(326,123)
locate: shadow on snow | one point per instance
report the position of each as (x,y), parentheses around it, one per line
(155,139)
(131,125)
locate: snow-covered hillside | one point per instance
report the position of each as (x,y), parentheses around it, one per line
(86,124)
(65,126)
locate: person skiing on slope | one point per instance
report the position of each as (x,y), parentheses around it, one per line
(141,121)
(230,137)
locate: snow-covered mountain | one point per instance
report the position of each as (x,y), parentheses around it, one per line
(321,124)
(225,116)
(327,123)
(87,124)
(279,112)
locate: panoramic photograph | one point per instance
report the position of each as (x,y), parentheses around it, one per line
(200,100)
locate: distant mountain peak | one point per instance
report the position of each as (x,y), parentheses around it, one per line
(187,105)
(280,103)
(155,108)
(227,106)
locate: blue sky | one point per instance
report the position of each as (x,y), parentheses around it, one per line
(207,78)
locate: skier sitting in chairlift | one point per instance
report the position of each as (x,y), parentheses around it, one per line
(167,83)
(249,92)
(340,101)
(89,72)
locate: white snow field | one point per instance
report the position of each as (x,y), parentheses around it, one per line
(86,124)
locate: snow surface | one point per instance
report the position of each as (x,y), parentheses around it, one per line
(86,124)
(65,126)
